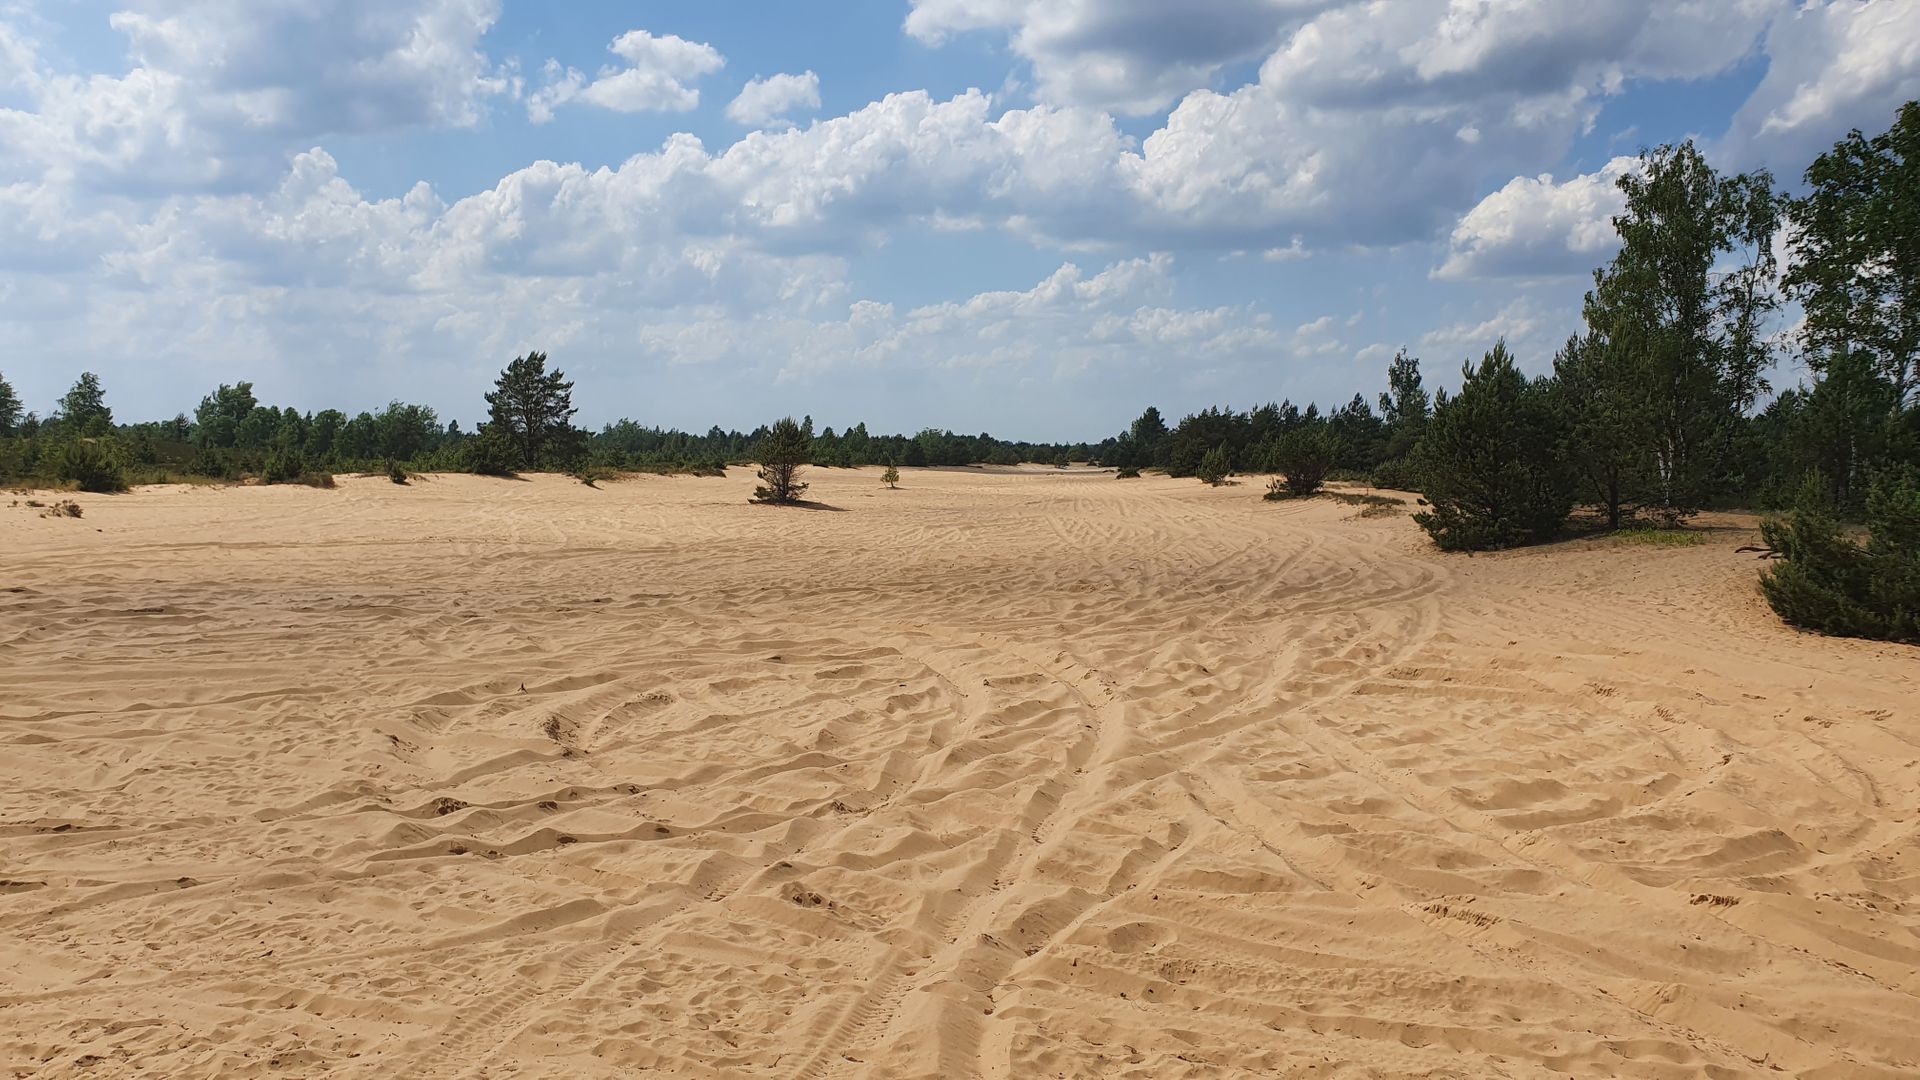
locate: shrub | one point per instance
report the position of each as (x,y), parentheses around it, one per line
(211,463)
(1827,582)
(63,508)
(1400,474)
(284,467)
(786,448)
(396,473)
(490,453)
(1215,466)
(1127,472)
(1490,461)
(891,477)
(593,475)
(1304,456)
(90,466)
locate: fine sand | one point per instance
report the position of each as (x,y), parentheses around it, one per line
(1004,773)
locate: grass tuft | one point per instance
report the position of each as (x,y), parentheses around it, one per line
(1659,537)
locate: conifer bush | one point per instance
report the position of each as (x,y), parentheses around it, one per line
(490,453)
(1215,466)
(1491,464)
(1304,457)
(1825,581)
(785,449)
(284,467)
(891,477)
(90,466)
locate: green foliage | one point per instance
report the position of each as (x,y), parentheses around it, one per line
(10,409)
(1827,582)
(786,448)
(891,477)
(533,409)
(1676,321)
(1856,251)
(212,464)
(1607,423)
(1398,474)
(217,420)
(1215,466)
(396,473)
(90,465)
(1146,437)
(1405,407)
(490,453)
(1304,456)
(284,467)
(83,409)
(1127,472)
(1491,461)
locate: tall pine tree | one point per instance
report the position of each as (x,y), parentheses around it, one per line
(532,408)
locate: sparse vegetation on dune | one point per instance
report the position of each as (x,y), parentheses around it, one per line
(1647,417)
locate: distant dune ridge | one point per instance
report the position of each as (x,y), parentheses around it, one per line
(1020,772)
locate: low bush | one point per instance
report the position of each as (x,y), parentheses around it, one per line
(490,453)
(284,467)
(1828,582)
(1127,473)
(1215,466)
(90,466)
(1304,457)
(1400,474)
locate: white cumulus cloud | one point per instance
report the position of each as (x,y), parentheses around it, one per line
(655,78)
(1832,65)
(770,102)
(1535,227)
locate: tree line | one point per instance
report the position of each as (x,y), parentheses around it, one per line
(1650,414)
(232,435)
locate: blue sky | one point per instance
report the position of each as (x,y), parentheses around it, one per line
(1031,217)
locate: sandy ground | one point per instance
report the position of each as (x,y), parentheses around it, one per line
(1028,774)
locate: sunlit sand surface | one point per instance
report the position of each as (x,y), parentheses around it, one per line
(1018,773)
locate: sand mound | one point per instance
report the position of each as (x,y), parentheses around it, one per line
(1020,773)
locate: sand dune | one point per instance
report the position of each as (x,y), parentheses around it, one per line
(1002,774)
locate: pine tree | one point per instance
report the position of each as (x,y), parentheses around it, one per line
(490,452)
(786,448)
(891,477)
(1828,583)
(1149,434)
(1491,461)
(1215,466)
(1304,457)
(532,408)
(1605,433)
(1843,428)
